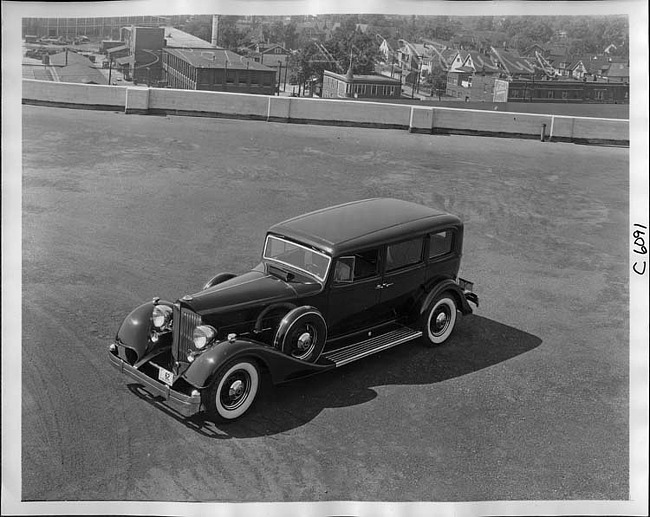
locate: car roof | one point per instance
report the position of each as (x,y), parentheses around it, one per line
(360,224)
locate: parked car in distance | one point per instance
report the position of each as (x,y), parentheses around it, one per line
(333,286)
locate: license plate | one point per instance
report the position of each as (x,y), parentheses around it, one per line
(166,376)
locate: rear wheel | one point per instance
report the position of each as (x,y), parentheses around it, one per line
(439,320)
(232,391)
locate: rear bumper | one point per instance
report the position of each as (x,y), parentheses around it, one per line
(183,404)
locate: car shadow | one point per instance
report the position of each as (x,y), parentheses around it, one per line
(477,343)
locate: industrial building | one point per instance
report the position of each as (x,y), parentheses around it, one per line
(370,86)
(216,70)
(599,91)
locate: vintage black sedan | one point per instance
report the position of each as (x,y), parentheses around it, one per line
(333,286)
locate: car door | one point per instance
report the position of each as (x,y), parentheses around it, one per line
(403,274)
(354,293)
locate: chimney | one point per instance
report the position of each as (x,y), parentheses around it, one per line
(215,30)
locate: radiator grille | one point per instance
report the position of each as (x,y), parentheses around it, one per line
(184,323)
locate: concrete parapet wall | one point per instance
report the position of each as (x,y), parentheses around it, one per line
(430,120)
(349,113)
(521,125)
(74,95)
(209,104)
(589,130)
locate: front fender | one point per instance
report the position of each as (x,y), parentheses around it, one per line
(281,366)
(135,330)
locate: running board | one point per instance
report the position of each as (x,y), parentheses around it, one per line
(371,346)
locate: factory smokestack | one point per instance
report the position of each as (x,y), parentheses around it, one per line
(215,30)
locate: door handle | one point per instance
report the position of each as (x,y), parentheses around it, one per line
(386,285)
(379,286)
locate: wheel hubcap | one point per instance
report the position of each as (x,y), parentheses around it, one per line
(304,341)
(440,321)
(236,389)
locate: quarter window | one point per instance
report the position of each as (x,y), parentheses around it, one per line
(440,243)
(403,254)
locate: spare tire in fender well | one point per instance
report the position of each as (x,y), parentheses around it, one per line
(302,333)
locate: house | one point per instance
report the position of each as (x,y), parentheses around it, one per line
(512,64)
(269,54)
(577,69)
(410,55)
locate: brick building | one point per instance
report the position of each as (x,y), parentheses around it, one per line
(599,91)
(338,86)
(216,70)
(145,46)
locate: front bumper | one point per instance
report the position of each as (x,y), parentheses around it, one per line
(183,404)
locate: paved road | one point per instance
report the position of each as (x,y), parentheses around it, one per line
(528,400)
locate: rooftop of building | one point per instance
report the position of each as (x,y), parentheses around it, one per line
(176,38)
(216,58)
(364,78)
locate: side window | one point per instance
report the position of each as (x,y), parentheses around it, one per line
(357,267)
(440,243)
(404,254)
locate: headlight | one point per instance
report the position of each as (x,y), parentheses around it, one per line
(203,335)
(161,316)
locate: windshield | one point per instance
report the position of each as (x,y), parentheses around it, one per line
(305,259)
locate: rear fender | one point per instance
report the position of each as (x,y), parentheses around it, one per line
(281,367)
(438,289)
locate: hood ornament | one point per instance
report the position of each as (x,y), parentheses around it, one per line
(187,298)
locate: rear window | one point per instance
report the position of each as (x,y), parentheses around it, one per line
(440,243)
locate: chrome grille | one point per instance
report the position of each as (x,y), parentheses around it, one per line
(184,323)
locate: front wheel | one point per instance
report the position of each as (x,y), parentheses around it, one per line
(439,319)
(232,391)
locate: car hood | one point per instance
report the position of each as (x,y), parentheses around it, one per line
(250,289)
